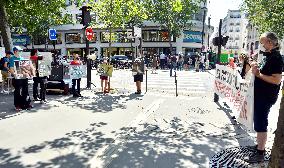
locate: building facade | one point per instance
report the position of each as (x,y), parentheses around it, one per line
(155,40)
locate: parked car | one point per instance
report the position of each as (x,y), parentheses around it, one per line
(121,61)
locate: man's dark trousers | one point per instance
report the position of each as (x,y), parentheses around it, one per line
(42,81)
(21,93)
(74,81)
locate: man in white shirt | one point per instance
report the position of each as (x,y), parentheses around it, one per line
(162,60)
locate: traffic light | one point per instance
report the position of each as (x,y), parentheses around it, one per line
(86,15)
(225,40)
(216,41)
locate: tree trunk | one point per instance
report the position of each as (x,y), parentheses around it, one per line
(109,48)
(4,28)
(277,153)
(170,42)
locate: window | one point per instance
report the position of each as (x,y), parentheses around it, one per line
(71,38)
(231,24)
(238,23)
(156,36)
(116,37)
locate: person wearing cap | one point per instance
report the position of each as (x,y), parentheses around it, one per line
(76,61)
(5,69)
(38,80)
(21,93)
(138,71)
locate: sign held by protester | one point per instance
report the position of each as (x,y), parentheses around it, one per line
(105,70)
(238,93)
(77,71)
(24,69)
(44,68)
(138,67)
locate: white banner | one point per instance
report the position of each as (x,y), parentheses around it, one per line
(238,93)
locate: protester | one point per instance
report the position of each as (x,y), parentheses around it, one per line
(104,77)
(232,63)
(138,67)
(5,69)
(76,93)
(21,94)
(38,80)
(244,61)
(266,88)
(154,64)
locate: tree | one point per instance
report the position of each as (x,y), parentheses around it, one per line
(269,16)
(32,16)
(266,15)
(173,15)
(117,14)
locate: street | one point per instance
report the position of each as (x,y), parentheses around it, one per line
(121,129)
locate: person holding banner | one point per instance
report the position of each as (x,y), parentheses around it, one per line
(268,78)
(21,93)
(37,79)
(76,93)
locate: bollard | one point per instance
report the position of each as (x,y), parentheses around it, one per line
(216,97)
(176,83)
(146,80)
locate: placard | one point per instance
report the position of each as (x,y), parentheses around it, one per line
(77,71)
(44,68)
(138,67)
(24,69)
(238,93)
(105,70)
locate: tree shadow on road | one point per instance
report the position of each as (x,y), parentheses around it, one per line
(179,145)
(72,151)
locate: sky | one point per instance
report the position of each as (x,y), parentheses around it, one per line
(217,9)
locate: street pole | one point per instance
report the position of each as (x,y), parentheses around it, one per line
(203,22)
(216,97)
(146,80)
(176,83)
(88,61)
(209,18)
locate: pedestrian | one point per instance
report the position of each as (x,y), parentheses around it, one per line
(180,62)
(4,66)
(268,78)
(37,79)
(232,63)
(76,82)
(104,76)
(21,94)
(173,64)
(162,60)
(138,71)
(154,65)
(197,63)
(245,65)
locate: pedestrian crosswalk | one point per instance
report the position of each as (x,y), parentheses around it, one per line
(189,83)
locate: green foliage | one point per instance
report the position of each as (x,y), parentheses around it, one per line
(173,15)
(119,13)
(266,15)
(36,16)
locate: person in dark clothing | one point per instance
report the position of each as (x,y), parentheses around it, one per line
(244,60)
(268,76)
(37,79)
(21,93)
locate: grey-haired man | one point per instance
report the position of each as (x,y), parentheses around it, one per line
(268,77)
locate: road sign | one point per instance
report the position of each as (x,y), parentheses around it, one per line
(137,32)
(89,33)
(52,34)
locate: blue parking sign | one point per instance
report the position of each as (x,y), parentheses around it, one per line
(52,34)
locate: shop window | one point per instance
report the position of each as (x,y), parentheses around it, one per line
(116,37)
(71,38)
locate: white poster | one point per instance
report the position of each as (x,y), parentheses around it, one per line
(24,69)
(2,52)
(77,71)
(238,93)
(44,68)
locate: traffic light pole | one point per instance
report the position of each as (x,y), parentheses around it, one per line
(88,61)
(216,97)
